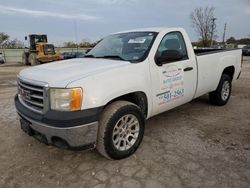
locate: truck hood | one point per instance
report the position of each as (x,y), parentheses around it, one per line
(61,73)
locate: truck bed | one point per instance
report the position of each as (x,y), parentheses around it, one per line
(207,51)
(211,63)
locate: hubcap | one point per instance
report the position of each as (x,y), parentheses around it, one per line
(225,90)
(125,132)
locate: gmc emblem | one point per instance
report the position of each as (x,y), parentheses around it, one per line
(25,93)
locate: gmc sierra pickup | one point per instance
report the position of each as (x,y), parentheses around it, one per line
(102,101)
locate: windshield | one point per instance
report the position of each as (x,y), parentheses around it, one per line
(49,49)
(246,47)
(133,46)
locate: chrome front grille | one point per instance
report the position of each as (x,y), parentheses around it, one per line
(32,95)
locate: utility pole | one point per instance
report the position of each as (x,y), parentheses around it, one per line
(224,34)
(212,33)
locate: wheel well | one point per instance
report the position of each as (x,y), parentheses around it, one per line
(229,71)
(139,98)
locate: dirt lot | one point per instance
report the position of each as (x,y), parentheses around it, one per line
(195,145)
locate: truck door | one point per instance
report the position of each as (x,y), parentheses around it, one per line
(173,81)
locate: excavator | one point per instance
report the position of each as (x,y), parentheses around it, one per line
(39,51)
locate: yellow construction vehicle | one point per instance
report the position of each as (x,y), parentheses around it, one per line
(39,50)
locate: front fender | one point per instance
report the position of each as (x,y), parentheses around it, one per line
(101,88)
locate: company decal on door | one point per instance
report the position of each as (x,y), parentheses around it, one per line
(172,84)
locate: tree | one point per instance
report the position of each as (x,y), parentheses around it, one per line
(231,40)
(3,38)
(70,44)
(85,43)
(203,21)
(244,41)
(6,42)
(15,43)
(200,43)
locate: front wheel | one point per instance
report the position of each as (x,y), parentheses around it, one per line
(33,59)
(222,94)
(121,130)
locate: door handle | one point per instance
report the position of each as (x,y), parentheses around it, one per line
(188,69)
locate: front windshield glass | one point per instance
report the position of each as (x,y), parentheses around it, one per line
(132,46)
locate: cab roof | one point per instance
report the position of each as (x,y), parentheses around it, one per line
(151,29)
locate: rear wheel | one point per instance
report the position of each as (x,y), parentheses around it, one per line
(121,130)
(222,94)
(25,58)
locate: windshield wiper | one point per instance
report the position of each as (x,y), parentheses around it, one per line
(112,57)
(89,56)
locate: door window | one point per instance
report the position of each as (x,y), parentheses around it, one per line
(173,41)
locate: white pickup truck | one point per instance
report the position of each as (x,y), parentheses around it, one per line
(103,100)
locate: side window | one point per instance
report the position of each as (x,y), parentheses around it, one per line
(173,41)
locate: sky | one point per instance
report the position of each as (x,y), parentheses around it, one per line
(74,20)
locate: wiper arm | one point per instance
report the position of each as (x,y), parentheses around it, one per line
(113,57)
(89,56)
(107,56)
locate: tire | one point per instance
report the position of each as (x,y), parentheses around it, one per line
(222,94)
(25,58)
(111,136)
(33,60)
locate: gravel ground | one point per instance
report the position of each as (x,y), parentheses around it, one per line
(195,145)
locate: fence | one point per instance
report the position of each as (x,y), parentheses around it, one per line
(15,55)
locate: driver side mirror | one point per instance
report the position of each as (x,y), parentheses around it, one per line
(168,56)
(26,38)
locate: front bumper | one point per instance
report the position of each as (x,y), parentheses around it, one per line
(49,58)
(82,136)
(61,130)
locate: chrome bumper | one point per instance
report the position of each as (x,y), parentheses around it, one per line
(75,137)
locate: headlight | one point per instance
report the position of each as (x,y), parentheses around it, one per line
(66,99)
